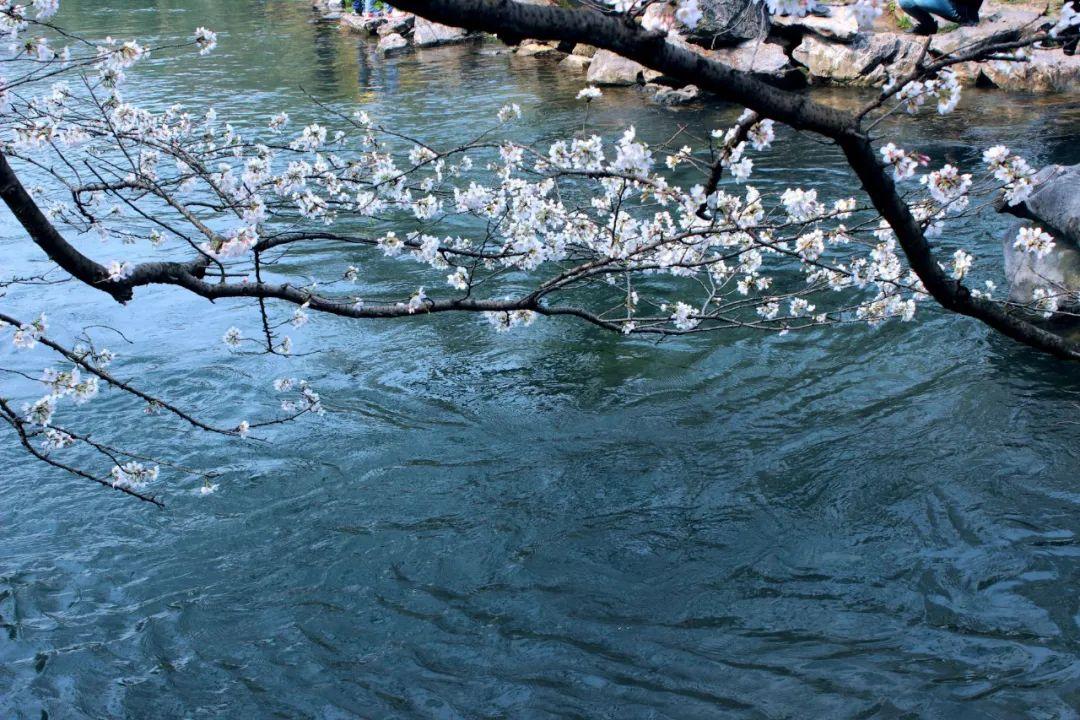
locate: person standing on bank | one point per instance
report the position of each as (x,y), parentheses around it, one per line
(961,12)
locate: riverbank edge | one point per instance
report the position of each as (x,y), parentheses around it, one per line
(796,53)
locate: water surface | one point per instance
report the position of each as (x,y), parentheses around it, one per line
(554,523)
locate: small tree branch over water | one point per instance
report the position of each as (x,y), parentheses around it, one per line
(588,227)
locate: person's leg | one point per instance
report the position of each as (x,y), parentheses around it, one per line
(924,23)
(369,7)
(944,9)
(1070,37)
(969,11)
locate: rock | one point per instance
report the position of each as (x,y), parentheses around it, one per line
(729,22)
(1002,26)
(584,50)
(865,62)
(607,68)
(673,96)
(531,48)
(357,24)
(400,24)
(753,56)
(1055,203)
(1047,71)
(576,63)
(659,15)
(429,34)
(1054,206)
(390,43)
(840,26)
(1057,271)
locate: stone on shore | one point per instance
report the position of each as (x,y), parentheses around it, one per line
(1055,203)
(1046,71)
(840,26)
(532,48)
(391,43)
(607,68)
(866,62)
(1055,207)
(360,25)
(1003,25)
(400,24)
(576,63)
(729,22)
(825,50)
(767,61)
(430,34)
(673,96)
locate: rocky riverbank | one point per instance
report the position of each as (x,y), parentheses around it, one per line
(793,52)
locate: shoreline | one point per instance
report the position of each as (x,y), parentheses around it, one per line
(796,53)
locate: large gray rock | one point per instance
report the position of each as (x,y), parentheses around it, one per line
(400,24)
(765,60)
(729,22)
(1058,271)
(576,63)
(1055,202)
(866,61)
(607,68)
(1046,71)
(1054,206)
(391,43)
(1003,25)
(361,25)
(840,25)
(674,96)
(533,48)
(428,34)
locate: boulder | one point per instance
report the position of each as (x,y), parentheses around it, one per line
(839,26)
(584,50)
(357,24)
(866,62)
(729,22)
(607,68)
(1046,71)
(400,24)
(429,34)
(1054,206)
(1057,271)
(674,96)
(532,48)
(659,15)
(576,63)
(391,43)
(767,61)
(1000,26)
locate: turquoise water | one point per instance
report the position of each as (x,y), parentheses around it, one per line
(558,522)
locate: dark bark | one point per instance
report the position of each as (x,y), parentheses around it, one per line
(798,110)
(59,250)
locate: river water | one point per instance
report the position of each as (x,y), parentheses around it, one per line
(860,523)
